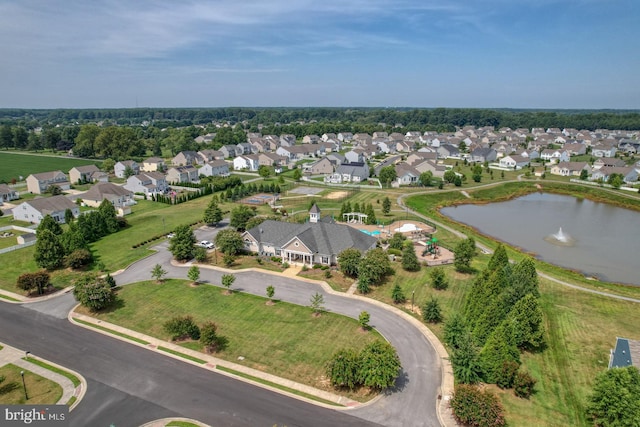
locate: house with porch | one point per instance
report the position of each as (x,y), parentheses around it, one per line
(318,241)
(513,162)
(570,168)
(249,162)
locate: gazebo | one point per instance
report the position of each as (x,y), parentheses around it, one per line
(351,217)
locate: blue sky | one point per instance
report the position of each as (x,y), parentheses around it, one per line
(384,53)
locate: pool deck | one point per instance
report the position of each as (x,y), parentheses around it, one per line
(389,230)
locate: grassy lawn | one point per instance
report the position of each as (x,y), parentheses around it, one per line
(17,163)
(283,339)
(338,281)
(41,391)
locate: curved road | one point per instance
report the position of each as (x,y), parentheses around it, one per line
(128,385)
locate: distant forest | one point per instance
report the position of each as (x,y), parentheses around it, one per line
(289,120)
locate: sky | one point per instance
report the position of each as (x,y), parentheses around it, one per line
(334,53)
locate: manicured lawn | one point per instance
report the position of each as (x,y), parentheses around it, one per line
(40,391)
(337,281)
(282,339)
(16,164)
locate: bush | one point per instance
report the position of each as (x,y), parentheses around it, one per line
(396,252)
(507,374)
(316,266)
(327,274)
(523,384)
(276,259)
(181,328)
(200,254)
(438,279)
(210,339)
(110,280)
(79,258)
(343,369)
(431,311)
(94,292)
(30,281)
(474,407)
(397,295)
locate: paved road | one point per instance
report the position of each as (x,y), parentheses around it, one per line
(413,402)
(128,385)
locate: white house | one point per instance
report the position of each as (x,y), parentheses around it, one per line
(35,210)
(513,162)
(116,194)
(249,162)
(147,183)
(215,168)
(7,193)
(120,168)
(182,174)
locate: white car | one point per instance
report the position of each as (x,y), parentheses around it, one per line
(206,244)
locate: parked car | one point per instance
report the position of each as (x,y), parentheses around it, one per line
(206,244)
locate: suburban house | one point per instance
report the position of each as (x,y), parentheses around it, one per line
(311,139)
(570,168)
(448,151)
(436,169)
(230,151)
(604,151)
(345,136)
(322,166)
(38,183)
(272,159)
(186,158)
(514,162)
(297,152)
(629,173)
(246,148)
(178,174)
(604,161)
(215,168)
(355,156)
(35,210)
(88,173)
(575,148)
(484,154)
(152,164)
(318,241)
(246,162)
(120,168)
(116,194)
(7,194)
(147,183)
(626,353)
(406,175)
(210,155)
(349,172)
(556,156)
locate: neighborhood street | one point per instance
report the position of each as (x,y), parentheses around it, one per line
(128,385)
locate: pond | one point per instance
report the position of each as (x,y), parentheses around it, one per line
(597,239)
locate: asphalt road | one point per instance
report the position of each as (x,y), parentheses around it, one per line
(128,385)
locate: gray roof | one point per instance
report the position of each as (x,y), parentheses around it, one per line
(45,176)
(105,190)
(51,204)
(626,353)
(322,237)
(86,168)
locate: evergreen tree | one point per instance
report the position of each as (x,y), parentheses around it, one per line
(386,206)
(465,361)
(397,295)
(438,279)
(213,213)
(409,258)
(500,348)
(499,259)
(356,207)
(463,254)
(527,319)
(431,312)
(48,223)
(109,217)
(371,215)
(455,329)
(49,253)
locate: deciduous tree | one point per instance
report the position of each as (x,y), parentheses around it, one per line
(379,365)
(93,292)
(348,261)
(229,241)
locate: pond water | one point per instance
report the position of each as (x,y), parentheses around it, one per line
(597,239)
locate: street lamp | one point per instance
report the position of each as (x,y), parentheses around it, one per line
(24,386)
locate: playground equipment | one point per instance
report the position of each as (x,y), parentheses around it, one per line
(432,247)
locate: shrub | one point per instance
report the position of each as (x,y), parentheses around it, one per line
(316,266)
(523,384)
(209,337)
(327,274)
(79,258)
(276,259)
(343,369)
(30,281)
(305,268)
(110,280)
(431,311)
(93,292)
(397,295)
(396,252)
(182,328)
(200,254)
(474,407)
(438,279)
(507,374)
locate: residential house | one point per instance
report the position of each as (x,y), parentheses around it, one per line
(405,146)
(229,151)
(215,168)
(484,155)
(626,353)
(297,152)
(147,183)
(345,137)
(7,193)
(260,145)
(38,183)
(311,139)
(448,151)
(349,172)
(570,168)
(362,139)
(116,194)
(322,166)
(287,140)
(420,156)
(246,148)
(575,148)
(314,242)
(248,162)
(35,210)
(437,170)
(608,161)
(629,173)
(153,164)
(336,159)
(210,155)
(186,158)
(405,175)
(554,155)
(178,174)
(603,150)
(355,155)
(120,168)
(380,134)
(513,162)
(327,136)
(205,139)
(272,159)
(87,173)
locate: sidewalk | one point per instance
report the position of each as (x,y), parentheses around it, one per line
(212,363)
(11,355)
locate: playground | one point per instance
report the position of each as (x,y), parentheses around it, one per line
(424,241)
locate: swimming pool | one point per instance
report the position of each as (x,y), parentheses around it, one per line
(371,233)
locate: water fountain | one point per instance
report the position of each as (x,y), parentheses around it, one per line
(560,238)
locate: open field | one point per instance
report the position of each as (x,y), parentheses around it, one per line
(16,164)
(281,339)
(40,390)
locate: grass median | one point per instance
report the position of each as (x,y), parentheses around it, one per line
(282,339)
(39,390)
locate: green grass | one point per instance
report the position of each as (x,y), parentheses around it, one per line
(64,373)
(274,385)
(40,390)
(282,339)
(16,164)
(184,356)
(111,331)
(8,298)
(181,424)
